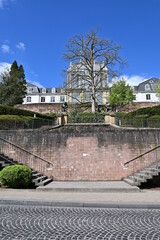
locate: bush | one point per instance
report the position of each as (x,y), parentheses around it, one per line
(140,121)
(16,176)
(150,111)
(120,114)
(6,110)
(88,117)
(23,122)
(154,121)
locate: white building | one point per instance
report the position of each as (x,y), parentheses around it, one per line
(43,95)
(145,91)
(78,85)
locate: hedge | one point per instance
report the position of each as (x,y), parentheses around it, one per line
(16,176)
(87,117)
(23,122)
(154,121)
(150,111)
(7,110)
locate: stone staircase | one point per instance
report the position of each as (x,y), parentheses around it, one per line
(38,179)
(144,175)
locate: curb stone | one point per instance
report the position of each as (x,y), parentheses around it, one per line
(80,204)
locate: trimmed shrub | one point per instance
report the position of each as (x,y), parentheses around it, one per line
(6,110)
(150,111)
(140,121)
(120,114)
(16,176)
(23,122)
(154,121)
(88,117)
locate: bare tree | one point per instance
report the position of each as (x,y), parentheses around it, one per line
(92,62)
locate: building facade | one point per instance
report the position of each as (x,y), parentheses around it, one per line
(145,91)
(78,84)
(44,95)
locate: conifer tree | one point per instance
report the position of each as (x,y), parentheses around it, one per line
(13,86)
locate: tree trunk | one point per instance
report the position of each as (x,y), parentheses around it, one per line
(93,100)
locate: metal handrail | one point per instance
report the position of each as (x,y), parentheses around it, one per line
(141,155)
(23,156)
(26,151)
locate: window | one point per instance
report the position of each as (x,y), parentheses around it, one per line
(148,96)
(42,99)
(87,97)
(43,90)
(75,97)
(52,99)
(147,87)
(134,97)
(28,99)
(99,97)
(53,90)
(62,99)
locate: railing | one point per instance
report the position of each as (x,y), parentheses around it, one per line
(138,122)
(31,124)
(22,156)
(144,160)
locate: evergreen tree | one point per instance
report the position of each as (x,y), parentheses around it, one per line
(13,86)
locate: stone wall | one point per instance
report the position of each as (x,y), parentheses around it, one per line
(86,152)
(41,107)
(136,105)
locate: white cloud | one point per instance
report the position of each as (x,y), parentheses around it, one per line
(4,3)
(21,46)
(5,48)
(132,80)
(4,67)
(36,83)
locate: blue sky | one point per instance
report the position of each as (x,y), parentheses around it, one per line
(34,32)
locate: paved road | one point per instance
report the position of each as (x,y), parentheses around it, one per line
(29,223)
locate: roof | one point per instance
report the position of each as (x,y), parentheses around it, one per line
(147,86)
(30,85)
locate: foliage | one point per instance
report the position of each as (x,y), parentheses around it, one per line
(157,89)
(84,50)
(23,122)
(143,117)
(13,86)
(120,114)
(154,121)
(150,111)
(7,110)
(121,94)
(87,117)
(16,176)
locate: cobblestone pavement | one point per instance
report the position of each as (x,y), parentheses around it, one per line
(27,222)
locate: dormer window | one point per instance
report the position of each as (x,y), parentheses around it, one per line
(147,87)
(53,90)
(30,90)
(43,90)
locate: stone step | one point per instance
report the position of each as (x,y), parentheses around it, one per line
(131,182)
(147,172)
(39,179)
(152,169)
(36,175)
(137,179)
(143,176)
(4,164)
(44,183)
